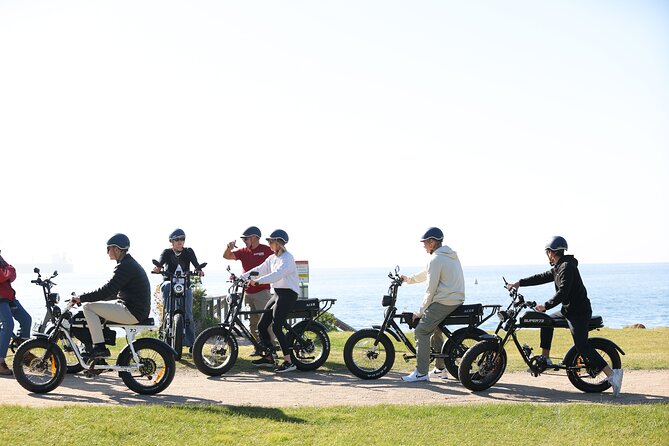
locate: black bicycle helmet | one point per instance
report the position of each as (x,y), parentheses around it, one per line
(279,234)
(557,243)
(121,241)
(177,233)
(433,233)
(251,230)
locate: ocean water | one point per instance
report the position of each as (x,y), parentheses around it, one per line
(622,294)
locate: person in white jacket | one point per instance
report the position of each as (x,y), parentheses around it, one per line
(280,270)
(445,292)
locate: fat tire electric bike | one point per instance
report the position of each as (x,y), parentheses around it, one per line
(484,363)
(173,324)
(370,353)
(145,365)
(216,349)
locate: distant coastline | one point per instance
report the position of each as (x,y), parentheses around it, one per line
(44,267)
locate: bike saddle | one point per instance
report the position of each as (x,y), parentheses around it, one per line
(595,322)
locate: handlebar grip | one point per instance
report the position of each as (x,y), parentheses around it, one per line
(34,281)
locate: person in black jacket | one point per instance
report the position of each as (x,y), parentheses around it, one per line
(129,286)
(576,309)
(174,258)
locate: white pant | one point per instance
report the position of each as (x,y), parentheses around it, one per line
(112,311)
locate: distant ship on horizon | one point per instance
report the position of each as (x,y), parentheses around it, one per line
(58,263)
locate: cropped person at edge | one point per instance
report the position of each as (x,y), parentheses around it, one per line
(445,292)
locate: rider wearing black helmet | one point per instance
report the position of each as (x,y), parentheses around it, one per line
(129,287)
(172,259)
(445,292)
(251,255)
(281,271)
(576,308)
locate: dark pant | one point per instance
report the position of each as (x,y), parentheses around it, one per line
(281,304)
(578,326)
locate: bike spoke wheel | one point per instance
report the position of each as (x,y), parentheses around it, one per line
(457,346)
(156,367)
(482,366)
(310,348)
(584,377)
(214,352)
(366,358)
(73,365)
(39,366)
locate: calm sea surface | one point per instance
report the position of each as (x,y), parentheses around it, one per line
(622,294)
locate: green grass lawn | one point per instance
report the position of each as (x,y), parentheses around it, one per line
(478,424)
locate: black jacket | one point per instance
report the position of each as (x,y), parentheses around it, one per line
(129,284)
(569,288)
(170,260)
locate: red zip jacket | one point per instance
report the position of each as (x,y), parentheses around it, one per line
(7,276)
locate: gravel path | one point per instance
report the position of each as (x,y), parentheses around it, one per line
(320,388)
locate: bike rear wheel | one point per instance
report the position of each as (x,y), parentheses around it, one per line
(456,347)
(587,379)
(482,366)
(156,367)
(39,365)
(310,346)
(178,335)
(366,358)
(214,351)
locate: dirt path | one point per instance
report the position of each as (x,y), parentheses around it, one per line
(333,389)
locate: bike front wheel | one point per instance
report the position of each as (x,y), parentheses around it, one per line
(310,346)
(215,351)
(584,377)
(482,366)
(73,365)
(178,335)
(365,357)
(156,366)
(39,365)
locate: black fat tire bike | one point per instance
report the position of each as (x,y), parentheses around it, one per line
(216,349)
(370,353)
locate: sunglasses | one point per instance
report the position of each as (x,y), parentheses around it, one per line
(179,239)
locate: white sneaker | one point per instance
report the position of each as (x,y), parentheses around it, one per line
(616,381)
(415,377)
(441,373)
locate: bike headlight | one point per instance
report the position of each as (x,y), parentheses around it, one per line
(502,315)
(54,298)
(179,288)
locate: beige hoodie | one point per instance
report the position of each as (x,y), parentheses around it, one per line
(445,280)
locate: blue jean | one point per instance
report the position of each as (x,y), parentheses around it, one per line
(189,323)
(8,312)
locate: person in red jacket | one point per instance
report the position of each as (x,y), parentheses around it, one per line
(253,254)
(10,309)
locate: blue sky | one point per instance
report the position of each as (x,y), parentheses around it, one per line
(354,126)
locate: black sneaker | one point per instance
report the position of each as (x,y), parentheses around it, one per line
(285,367)
(264,361)
(255,353)
(99,352)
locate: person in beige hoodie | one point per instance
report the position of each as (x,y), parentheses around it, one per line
(444,293)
